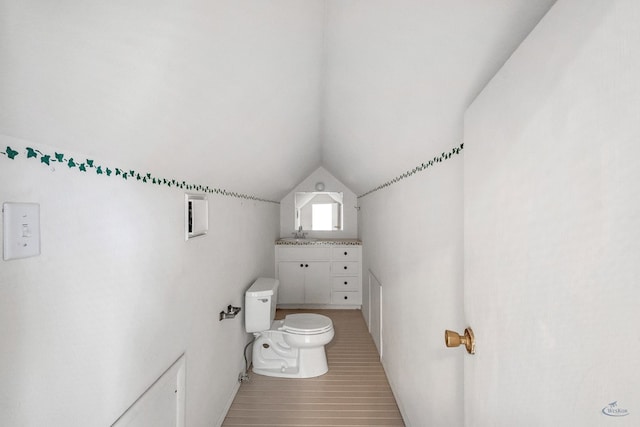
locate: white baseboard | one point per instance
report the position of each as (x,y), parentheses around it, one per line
(234,392)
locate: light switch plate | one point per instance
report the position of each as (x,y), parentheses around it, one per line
(20,230)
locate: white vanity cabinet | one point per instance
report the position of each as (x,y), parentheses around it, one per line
(304,282)
(319,275)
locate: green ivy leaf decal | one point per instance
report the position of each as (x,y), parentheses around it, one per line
(71,163)
(11,153)
(90,163)
(60,157)
(82,167)
(118,172)
(31,153)
(108,172)
(45,159)
(99,170)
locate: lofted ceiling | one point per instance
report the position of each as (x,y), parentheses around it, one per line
(399,76)
(252,96)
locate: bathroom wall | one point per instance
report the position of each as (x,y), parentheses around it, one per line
(117,295)
(195,91)
(350,223)
(412,243)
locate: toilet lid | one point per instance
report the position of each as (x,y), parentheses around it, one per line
(307,324)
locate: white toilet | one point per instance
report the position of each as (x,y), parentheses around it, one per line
(289,348)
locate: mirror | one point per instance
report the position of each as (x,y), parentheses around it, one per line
(318,211)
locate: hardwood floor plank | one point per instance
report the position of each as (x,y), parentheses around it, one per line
(370,406)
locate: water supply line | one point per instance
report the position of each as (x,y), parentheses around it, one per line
(244,376)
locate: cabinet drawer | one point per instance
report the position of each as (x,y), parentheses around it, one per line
(346,254)
(346,283)
(297,253)
(348,298)
(347,267)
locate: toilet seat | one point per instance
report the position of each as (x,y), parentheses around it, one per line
(306,324)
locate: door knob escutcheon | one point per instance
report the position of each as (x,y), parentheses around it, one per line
(453,339)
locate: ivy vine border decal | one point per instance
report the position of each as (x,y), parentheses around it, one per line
(86,165)
(420,168)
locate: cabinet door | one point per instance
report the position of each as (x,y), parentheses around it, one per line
(317,289)
(291,276)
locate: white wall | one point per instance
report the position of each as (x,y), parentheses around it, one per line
(552,225)
(117,295)
(350,223)
(412,242)
(220,91)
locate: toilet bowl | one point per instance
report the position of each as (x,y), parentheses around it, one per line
(289,348)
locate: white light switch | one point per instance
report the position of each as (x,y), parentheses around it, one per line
(21,230)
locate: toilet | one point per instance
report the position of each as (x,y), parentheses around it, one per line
(289,348)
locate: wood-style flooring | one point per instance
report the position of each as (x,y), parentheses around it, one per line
(355,391)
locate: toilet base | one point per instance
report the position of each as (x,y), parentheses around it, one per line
(288,373)
(277,359)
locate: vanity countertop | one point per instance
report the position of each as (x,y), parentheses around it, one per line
(318,242)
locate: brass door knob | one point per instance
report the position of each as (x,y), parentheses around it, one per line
(453,339)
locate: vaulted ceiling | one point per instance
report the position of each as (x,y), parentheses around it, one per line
(252,96)
(399,76)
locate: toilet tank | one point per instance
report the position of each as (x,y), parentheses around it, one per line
(260,304)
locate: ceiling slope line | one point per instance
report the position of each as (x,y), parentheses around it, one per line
(420,168)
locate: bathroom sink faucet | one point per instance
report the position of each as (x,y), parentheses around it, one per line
(299,234)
